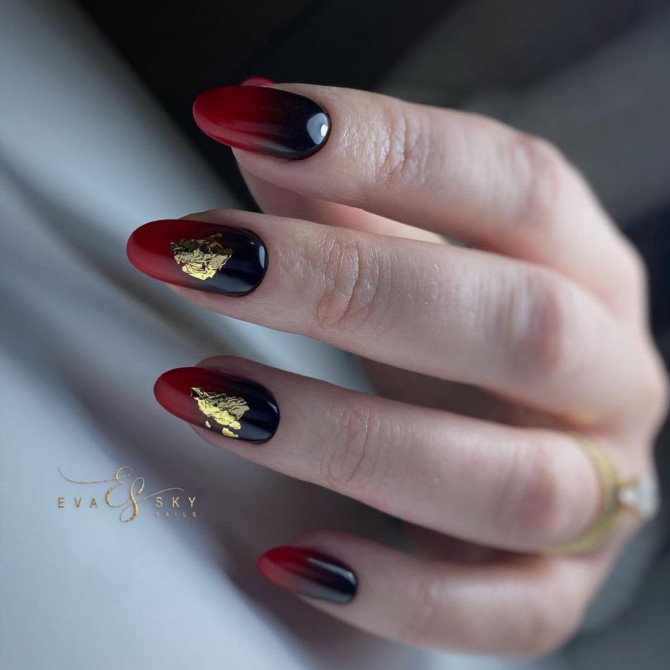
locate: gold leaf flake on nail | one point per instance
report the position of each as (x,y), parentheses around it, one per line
(226,410)
(203,258)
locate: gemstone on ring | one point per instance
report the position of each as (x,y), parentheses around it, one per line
(641,497)
(637,495)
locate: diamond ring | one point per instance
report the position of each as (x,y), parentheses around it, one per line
(637,495)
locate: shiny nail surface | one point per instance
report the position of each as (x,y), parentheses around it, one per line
(203,256)
(264,120)
(310,573)
(225,404)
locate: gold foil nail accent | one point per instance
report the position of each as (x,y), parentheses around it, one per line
(226,410)
(201,259)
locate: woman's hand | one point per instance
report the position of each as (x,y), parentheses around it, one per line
(487,358)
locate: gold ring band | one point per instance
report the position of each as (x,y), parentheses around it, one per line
(639,496)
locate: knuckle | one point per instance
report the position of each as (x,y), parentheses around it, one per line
(661,391)
(549,617)
(546,327)
(634,269)
(549,620)
(530,505)
(545,170)
(403,153)
(419,625)
(630,285)
(351,461)
(354,286)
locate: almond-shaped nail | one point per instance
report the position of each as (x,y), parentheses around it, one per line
(203,256)
(223,403)
(263,119)
(310,573)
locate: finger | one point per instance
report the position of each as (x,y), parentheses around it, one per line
(524,606)
(501,486)
(454,313)
(281,202)
(454,173)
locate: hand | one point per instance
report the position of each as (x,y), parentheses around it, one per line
(487,358)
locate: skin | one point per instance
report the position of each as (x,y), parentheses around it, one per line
(485,358)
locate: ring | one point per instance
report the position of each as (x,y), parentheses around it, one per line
(639,496)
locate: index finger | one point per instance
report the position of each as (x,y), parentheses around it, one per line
(450,172)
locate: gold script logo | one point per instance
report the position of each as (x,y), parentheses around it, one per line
(127,492)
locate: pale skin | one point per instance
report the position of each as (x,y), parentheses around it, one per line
(485,358)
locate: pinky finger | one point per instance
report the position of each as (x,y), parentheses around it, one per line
(519,606)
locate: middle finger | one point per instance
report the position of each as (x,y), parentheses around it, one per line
(459,314)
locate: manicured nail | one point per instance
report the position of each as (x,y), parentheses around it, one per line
(263,120)
(203,256)
(309,573)
(222,403)
(257,81)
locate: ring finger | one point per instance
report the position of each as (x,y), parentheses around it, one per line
(512,488)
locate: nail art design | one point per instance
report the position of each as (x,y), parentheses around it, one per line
(203,256)
(264,120)
(226,410)
(220,402)
(201,259)
(310,573)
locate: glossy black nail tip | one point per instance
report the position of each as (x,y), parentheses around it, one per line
(310,573)
(264,120)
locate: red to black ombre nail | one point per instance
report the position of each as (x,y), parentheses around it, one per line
(310,573)
(264,120)
(225,404)
(202,256)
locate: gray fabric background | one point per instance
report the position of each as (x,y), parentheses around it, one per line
(86,157)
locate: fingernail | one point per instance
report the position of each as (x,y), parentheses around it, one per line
(309,573)
(263,120)
(222,403)
(257,81)
(203,256)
